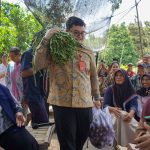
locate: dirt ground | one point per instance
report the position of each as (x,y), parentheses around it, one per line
(54,145)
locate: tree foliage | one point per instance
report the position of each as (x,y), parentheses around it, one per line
(17,27)
(119,46)
(145,36)
(115,4)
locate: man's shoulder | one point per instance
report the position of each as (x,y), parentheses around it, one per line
(27,55)
(86,49)
(28,52)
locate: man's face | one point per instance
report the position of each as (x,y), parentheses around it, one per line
(78,32)
(141,70)
(4,59)
(146,60)
(130,67)
(146,82)
(13,56)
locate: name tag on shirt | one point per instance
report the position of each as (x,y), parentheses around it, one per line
(82,66)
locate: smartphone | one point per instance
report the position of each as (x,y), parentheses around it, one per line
(147,119)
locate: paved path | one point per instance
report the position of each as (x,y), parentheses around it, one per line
(55,145)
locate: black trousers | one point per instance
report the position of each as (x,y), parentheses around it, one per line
(38,112)
(18,138)
(72,126)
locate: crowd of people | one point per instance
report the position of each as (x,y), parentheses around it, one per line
(127,93)
(73,91)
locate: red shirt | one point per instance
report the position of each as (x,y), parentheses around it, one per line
(130,73)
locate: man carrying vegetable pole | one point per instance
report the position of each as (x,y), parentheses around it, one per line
(73,83)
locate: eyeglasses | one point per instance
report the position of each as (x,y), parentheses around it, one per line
(76,33)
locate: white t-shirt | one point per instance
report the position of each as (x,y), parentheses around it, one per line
(3,70)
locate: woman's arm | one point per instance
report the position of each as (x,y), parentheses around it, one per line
(131,107)
(108,101)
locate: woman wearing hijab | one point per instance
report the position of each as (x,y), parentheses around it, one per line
(121,100)
(110,77)
(144,92)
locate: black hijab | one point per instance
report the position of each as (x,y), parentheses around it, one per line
(124,91)
(143,91)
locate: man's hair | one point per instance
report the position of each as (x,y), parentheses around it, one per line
(74,21)
(15,50)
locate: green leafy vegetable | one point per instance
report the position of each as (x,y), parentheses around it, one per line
(63,47)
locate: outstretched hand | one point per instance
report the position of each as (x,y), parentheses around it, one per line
(143,141)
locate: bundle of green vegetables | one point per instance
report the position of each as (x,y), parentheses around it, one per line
(63,47)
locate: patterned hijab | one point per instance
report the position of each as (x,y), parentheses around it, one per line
(143,91)
(124,91)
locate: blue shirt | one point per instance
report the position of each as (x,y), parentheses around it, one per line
(9,104)
(5,123)
(33,85)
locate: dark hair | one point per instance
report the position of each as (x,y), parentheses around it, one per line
(74,21)
(115,59)
(15,50)
(114,62)
(145,75)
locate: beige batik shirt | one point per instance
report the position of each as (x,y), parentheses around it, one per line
(70,87)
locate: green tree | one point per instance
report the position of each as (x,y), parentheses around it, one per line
(17,27)
(134,32)
(95,42)
(7,34)
(145,36)
(119,46)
